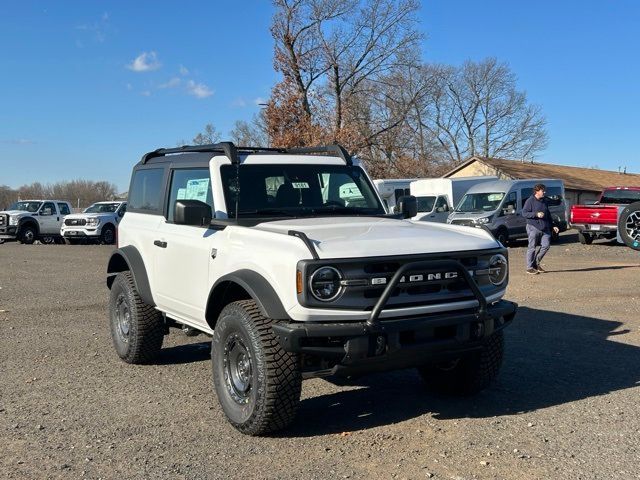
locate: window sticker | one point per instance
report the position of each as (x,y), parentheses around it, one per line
(196,189)
(299,185)
(182,192)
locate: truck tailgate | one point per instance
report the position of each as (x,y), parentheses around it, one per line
(599,214)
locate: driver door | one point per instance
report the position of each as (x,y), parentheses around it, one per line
(49,219)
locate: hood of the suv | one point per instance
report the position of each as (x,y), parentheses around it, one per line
(88,215)
(346,237)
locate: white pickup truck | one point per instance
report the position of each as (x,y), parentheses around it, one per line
(267,251)
(99,222)
(31,220)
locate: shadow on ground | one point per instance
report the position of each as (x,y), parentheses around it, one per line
(551,359)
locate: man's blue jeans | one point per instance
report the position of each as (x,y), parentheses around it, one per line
(537,236)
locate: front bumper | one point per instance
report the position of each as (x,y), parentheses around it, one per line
(9,232)
(360,347)
(80,232)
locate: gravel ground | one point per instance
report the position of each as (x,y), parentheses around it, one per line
(565,405)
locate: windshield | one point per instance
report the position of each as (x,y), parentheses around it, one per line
(480,202)
(102,208)
(31,207)
(425,204)
(299,190)
(620,197)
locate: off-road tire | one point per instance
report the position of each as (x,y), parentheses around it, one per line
(467,375)
(629,225)
(139,339)
(27,235)
(271,395)
(585,238)
(108,235)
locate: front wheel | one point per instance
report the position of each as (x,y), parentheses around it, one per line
(27,235)
(469,374)
(108,235)
(258,384)
(137,329)
(502,236)
(629,225)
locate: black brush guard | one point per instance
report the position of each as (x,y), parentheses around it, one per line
(360,347)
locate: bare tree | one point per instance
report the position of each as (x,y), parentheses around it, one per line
(252,133)
(208,136)
(7,196)
(477,110)
(79,192)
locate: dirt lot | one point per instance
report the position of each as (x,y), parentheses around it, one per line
(565,405)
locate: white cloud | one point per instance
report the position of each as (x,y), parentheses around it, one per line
(184,70)
(173,83)
(145,93)
(145,62)
(19,141)
(239,102)
(129,86)
(199,90)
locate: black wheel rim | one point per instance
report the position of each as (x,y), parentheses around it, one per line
(47,240)
(29,236)
(123,318)
(108,236)
(632,225)
(238,369)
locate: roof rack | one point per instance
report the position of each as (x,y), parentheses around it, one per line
(232,152)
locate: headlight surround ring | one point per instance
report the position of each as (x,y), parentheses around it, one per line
(324,284)
(498,269)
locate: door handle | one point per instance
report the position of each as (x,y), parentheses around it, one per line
(160,243)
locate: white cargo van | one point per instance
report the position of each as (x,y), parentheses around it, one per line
(391,189)
(497,206)
(438,196)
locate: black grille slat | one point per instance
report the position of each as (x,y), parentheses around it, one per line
(74,222)
(4,220)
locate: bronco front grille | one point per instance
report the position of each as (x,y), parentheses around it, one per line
(366,279)
(72,222)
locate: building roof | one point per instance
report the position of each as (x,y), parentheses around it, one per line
(575,178)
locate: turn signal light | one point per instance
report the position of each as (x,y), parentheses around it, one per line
(299,282)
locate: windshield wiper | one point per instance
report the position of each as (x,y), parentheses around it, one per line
(345,210)
(268,211)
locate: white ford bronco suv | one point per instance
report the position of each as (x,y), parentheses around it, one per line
(258,248)
(30,220)
(97,222)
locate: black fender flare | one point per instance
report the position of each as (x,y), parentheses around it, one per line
(129,258)
(258,288)
(30,221)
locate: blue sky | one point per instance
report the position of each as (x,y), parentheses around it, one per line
(87,87)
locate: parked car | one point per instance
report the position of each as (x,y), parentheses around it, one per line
(497,206)
(438,196)
(600,220)
(31,220)
(99,222)
(257,248)
(392,190)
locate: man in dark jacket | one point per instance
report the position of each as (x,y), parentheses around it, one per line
(539,227)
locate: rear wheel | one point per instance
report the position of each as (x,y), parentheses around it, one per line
(258,384)
(585,238)
(629,225)
(467,375)
(137,329)
(502,235)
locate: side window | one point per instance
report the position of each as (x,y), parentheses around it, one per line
(189,184)
(146,190)
(123,209)
(526,193)
(64,209)
(511,202)
(442,205)
(48,208)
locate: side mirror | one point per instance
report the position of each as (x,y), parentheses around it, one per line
(509,210)
(407,206)
(192,212)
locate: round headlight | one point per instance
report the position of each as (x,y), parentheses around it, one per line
(325,284)
(498,269)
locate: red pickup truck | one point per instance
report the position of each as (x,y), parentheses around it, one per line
(601,219)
